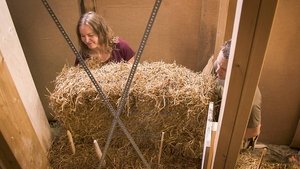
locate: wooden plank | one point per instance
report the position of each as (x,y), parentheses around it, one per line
(225,23)
(213,137)
(296,140)
(206,161)
(209,66)
(249,42)
(210,133)
(16,128)
(15,60)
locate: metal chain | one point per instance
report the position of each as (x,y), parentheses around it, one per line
(116,114)
(131,74)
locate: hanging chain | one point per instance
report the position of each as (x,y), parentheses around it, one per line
(131,74)
(115,113)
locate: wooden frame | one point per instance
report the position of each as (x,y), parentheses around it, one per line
(20,146)
(210,132)
(251,31)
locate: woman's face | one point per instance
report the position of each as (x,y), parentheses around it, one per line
(88,36)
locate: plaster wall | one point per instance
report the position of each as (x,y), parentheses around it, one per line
(280,77)
(183,33)
(44,47)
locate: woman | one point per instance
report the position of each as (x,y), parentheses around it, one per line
(96,39)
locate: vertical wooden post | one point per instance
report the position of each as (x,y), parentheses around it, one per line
(296,140)
(251,31)
(225,23)
(21,147)
(88,5)
(19,72)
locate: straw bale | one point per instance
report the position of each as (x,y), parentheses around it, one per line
(163,97)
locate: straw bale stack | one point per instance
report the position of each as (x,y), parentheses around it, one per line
(163,98)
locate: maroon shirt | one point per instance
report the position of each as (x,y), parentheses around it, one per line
(121,52)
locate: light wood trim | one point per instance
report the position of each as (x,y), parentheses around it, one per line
(213,138)
(16,129)
(249,42)
(206,157)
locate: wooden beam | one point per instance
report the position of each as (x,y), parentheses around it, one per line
(225,23)
(11,50)
(88,5)
(21,147)
(296,140)
(251,31)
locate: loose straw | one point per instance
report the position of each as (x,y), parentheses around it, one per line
(161,145)
(71,141)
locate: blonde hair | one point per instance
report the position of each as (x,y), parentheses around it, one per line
(100,27)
